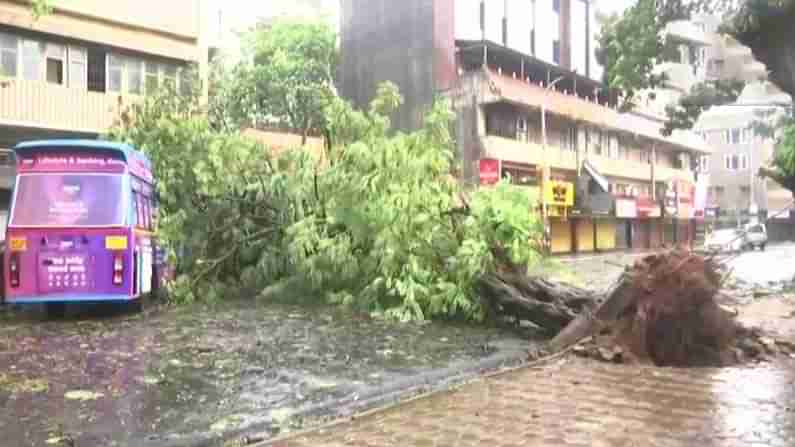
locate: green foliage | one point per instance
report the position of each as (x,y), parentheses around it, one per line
(393,234)
(765,26)
(629,46)
(381,225)
(287,79)
(702,96)
(223,205)
(40,8)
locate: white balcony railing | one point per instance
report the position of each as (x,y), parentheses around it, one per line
(50,106)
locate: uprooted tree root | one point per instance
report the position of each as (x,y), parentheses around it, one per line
(663,310)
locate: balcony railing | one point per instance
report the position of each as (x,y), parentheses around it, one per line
(50,106)
(557,158)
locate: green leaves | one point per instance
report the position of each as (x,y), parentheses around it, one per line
(380,226)
(286,79)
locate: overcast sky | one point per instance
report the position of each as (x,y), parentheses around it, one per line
(225,17)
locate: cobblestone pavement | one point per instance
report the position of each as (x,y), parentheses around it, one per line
(575,402)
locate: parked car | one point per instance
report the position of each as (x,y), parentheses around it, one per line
(727,240)
(756,236)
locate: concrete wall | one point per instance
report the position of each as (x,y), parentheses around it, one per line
(169,28)
(384,40)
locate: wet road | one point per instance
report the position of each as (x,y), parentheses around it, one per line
(775,264)
(197,376)
(581,403)
(755,267)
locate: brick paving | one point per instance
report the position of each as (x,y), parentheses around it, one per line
(576,402)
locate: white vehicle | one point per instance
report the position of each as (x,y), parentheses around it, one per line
(728,240)
(756,236)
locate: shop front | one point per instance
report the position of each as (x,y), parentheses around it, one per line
(558,196)
(626,216)
(594,226)
(649,224)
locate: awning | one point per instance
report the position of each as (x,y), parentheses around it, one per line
(599,178)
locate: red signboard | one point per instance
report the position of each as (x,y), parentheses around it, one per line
(489,171)
(648,208)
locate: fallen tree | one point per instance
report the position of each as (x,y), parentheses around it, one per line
(664,310)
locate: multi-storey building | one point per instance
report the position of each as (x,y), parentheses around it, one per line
(736,191)
(526,86)
(69,73)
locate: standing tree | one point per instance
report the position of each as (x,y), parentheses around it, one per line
(630,45)
(286,80)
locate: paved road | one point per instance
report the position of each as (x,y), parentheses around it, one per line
(772,265)
(758,267)
(580,403)
(576,402)
(195,375)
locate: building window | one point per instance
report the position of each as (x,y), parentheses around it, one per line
(614,151)
(703,163)
(135,76)
(732,136)
(570,139)
(77,67)
(56,64)
(736,162)
(556,51)
(31,60)
(115,73)
(746,135)
(152,80)
(186,81)
(521,129)
(9,52)
(645,156)
(169,75)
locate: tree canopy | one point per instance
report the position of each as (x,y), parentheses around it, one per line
(632,43)
(285,80)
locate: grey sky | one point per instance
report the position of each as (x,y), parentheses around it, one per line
(224,18)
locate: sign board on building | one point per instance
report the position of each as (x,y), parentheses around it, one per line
(626,208)
(648,208)
(489,171)
(685,195)
(557,193)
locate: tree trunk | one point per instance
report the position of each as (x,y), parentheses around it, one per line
(548,304)
(567,311)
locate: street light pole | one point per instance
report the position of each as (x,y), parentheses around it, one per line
(545,167)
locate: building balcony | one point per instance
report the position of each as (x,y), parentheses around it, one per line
(687,31)
(42,105)
(680,76)
(501,88)
(556,158)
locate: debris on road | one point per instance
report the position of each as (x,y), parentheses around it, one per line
(665,309)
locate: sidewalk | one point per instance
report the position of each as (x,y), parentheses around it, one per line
(580,403)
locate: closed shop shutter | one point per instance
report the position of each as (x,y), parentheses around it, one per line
(606,234)
(622,231)
(561,236)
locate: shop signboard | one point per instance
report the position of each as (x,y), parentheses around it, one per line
(489,171)
(557,193)
(626,208)
(648,208)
